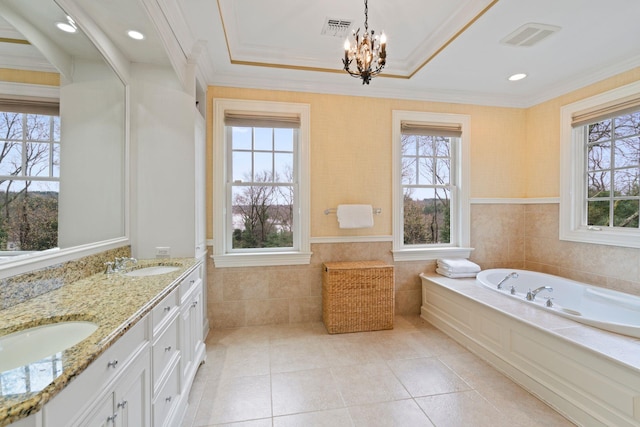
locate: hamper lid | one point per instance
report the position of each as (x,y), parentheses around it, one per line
(348,265)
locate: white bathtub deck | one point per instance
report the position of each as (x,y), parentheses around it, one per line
(590,375)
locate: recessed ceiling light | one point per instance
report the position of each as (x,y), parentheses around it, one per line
(136,35)
(67,27)
(516,77)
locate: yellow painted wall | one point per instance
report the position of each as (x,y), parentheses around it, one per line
(351,152)
(30,77)
(543,135)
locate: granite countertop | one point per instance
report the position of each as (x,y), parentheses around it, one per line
(114,302)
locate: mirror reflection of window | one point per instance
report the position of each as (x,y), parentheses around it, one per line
(51,198)
(31,378)
(29,179)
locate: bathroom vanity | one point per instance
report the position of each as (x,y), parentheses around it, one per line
(136,369)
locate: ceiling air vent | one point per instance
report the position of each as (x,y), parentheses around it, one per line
(336,27)
(529,34)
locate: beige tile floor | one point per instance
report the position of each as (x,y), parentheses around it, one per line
(298,375)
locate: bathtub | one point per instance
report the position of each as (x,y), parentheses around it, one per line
(599,307)
(590,375)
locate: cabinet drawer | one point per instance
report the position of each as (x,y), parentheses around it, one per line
(165,347)
(167,307)
(167,398)
(188,283)
(82,391)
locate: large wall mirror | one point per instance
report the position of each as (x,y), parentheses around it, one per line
(62,137)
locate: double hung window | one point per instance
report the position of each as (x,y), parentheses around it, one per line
(262,183)
(600,200)
(29,178)
(430,195)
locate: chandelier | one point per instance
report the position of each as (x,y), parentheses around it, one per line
(368,54)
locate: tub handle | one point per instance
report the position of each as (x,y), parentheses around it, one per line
(549,302)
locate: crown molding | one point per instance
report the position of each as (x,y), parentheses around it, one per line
(587,78)
(347,87)
(25,89)
(19,62)
(159,11)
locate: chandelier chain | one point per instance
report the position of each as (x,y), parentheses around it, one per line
(366,16)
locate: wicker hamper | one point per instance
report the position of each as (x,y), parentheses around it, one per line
(357,296)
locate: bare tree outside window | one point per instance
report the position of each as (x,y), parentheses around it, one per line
(29,181)
(426,184)
(613,171)
(262,191)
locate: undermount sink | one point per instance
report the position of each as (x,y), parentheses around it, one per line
(30,345)
(152,271)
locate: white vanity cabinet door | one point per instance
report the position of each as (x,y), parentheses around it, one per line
(186,338)
(102,414)
(191,342)
(166,401)
(126,403)
(132,395)
(165,349)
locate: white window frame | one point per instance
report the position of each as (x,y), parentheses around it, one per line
(460,211)
(24,141)
(301,253)
(572,164)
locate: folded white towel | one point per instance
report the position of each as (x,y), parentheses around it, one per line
(454,275)
(355,216)
(458,265)
(459,270)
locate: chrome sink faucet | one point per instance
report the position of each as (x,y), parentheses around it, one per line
(531,295)
(122,263)
(119,265)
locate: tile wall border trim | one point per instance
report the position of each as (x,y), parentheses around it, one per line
(351,239)
(339,239)
(515,201)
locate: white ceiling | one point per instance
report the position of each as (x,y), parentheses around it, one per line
(597,39)
(441,50)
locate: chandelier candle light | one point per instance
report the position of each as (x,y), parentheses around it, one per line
(369,52)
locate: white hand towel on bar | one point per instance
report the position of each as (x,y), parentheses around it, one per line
(458,265)
(355,216)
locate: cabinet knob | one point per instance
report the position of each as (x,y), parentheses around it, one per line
(122,404)
(192,281)
(193,305)
(112,364)
(112,418)
(167,308)
(168,399)
(167,348)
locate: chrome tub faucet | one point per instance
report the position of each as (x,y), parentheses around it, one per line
(531,295)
